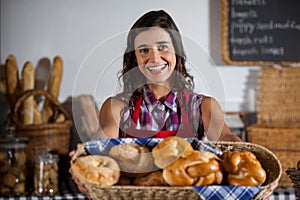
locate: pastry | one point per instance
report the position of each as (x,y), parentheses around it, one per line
(170,149)
(195,169)
(243,169)
(134,160)
(153,179)
(92,169)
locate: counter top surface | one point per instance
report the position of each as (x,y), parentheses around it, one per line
(279,193)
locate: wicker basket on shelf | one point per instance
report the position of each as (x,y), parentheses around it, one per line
(283,142)
(53,136)
(278,115)
(278,99)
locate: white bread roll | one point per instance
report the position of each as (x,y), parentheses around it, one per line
(99,170)
(134,160)
(170,149)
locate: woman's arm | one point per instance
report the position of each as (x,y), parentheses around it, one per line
(213,121)
(109,118)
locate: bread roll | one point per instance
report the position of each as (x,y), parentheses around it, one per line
(153,179)
(195,169)
(134,160)
(124,180)
(243,169)
(12,78)
(92,169)
(170,149)
(27,83)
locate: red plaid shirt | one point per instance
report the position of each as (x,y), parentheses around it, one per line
(155,115)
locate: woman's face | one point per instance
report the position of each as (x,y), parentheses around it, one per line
(155,54)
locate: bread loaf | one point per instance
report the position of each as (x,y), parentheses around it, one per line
(55,77)
(53,87)
(28,84)
(12,78)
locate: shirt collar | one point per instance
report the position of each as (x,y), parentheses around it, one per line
(152,102)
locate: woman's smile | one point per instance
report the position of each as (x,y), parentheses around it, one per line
(156,69)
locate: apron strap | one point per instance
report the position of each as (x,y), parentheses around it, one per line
(137,108)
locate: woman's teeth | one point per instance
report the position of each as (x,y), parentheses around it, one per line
(157,68)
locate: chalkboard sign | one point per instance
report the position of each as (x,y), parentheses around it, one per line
(260,32)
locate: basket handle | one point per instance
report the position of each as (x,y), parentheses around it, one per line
(34,92)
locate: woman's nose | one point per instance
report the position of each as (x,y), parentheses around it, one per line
(154,54)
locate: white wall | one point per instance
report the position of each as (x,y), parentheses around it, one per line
(90,37)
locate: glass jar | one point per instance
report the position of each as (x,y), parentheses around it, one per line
(46,174)
(12,164)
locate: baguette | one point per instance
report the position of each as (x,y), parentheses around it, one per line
(55,77)
(37,116)
(12,79)
(3,84)
(53,87)
(28,84)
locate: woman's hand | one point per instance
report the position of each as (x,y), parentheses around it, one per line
(80,185)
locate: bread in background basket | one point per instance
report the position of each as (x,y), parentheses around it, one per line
(102,146)
(294,175)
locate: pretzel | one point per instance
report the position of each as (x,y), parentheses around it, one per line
(243,169)
(195,169)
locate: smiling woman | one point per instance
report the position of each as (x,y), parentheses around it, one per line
(157,98)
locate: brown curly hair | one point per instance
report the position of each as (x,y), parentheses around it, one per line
(134,80)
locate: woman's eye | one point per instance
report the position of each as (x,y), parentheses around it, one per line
(162,47)
(143,50)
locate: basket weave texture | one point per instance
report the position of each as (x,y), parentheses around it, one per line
(278,99)
(268,160)
(294,175)
(54,136)
(283,142)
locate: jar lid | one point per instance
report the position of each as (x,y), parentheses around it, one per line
(10,140)
(47,158)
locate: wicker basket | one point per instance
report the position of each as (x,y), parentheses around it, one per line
(294,175)
(278,99)
(283,142)
(267,158)
(54,136)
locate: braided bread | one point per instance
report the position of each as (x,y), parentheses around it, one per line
(243,168)
(196,168)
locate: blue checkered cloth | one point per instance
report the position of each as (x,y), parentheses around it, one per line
(103,146)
